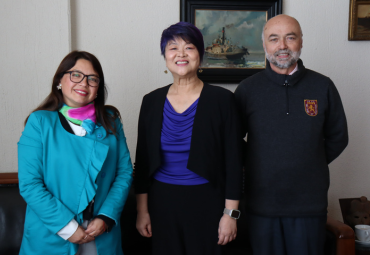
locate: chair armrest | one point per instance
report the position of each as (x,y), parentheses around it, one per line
(345,236)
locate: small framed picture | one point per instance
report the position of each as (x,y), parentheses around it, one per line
(359,20)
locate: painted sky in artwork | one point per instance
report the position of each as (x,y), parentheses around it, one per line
(244,28)
(363,10)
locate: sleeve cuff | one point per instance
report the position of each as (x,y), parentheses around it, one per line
(108,221)
(68,230)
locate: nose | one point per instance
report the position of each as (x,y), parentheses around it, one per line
(283,44)
(83,82)
(182,53)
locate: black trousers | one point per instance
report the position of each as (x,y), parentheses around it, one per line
(185,219)
(287,235)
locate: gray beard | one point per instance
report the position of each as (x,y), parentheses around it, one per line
(294,56)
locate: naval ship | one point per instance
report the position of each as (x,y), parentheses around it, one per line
(222,49)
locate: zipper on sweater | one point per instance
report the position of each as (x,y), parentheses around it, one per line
(286,84)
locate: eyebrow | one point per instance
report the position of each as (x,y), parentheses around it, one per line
(275,35)
(292,33)
(84,73)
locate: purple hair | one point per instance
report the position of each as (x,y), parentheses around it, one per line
(186,31)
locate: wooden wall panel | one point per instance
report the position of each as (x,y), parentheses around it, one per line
(8,178)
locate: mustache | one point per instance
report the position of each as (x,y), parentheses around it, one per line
(283,52)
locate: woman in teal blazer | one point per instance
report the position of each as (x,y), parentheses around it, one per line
(75,170)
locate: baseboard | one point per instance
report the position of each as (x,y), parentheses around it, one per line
(8,178)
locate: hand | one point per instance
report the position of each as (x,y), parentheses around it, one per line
(143,224)
(95,228)
(80,237)
(226,230)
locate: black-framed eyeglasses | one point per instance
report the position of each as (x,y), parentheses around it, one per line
(76,77)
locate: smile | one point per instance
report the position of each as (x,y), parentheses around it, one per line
(182,62)
(81,92)
(283,55)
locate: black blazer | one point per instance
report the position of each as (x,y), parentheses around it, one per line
(216,143)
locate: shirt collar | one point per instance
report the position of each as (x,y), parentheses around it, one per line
(295,69)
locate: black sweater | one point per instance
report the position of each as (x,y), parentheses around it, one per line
(287,150)
(215,148)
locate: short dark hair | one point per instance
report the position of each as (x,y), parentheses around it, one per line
(54,101)
(186,31)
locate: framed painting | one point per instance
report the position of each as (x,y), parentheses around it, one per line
(232,33)
(359,20)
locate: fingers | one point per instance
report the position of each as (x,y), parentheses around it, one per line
(95,233)
(146,231)
(227,230)
(92,231)
(86,239)
(149,227)
(96,227)
(222,240)
(143,224)
(91,227)
(80,237)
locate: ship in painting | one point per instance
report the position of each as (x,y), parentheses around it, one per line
(222,49)
(365,21)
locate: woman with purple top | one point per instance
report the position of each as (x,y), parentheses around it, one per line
(188,159)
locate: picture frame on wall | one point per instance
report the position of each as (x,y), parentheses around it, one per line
(232,33)
(359,20)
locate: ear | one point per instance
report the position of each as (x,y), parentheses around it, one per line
(60,80)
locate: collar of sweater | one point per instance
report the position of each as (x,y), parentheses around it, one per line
(281,79)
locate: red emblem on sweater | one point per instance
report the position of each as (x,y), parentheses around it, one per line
(311,107)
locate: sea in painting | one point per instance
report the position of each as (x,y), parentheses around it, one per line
(232,39)
(363,19)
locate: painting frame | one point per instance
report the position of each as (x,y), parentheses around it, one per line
(354,33)
(228,75)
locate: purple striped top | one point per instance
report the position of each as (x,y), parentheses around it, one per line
(175,147)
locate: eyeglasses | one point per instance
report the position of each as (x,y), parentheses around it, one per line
(76,77)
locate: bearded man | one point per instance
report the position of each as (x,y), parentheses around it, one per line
(295,126)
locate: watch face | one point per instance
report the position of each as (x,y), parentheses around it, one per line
(235,214)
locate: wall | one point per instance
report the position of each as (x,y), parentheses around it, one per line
(34,37)
(125,36)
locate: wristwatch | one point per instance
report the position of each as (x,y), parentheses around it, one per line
(232,213)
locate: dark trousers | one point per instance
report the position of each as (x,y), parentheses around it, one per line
(287,235)
(185,219)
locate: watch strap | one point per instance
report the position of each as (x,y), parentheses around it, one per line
(235,214)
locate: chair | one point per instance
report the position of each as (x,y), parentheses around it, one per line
(340,238)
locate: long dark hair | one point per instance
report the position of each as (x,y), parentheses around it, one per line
(105,114)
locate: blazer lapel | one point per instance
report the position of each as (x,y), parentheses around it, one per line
(156,118)
(202,111)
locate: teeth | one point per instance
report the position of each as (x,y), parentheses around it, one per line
(181,62)
(82,92)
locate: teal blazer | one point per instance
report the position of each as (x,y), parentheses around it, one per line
(60,173)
